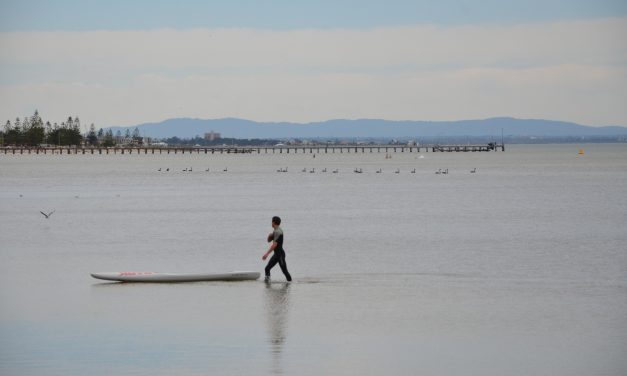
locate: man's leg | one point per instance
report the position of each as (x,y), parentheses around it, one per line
(283,265)
(273,261)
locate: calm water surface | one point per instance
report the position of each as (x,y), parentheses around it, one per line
(517,269)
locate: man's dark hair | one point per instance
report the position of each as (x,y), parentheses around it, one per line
(276,220)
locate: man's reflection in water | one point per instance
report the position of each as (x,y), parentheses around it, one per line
(277,304)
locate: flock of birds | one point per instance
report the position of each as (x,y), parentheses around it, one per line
(284,170)
(167,169)
(359,170)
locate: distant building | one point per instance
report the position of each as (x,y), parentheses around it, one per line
(212,136)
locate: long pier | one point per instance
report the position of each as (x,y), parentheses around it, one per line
(278,149)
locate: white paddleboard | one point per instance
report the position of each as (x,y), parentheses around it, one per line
(175,277)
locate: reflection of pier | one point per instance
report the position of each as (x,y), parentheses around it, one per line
(280,149)
(276,304)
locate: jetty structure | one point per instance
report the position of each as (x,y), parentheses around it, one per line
(280,149)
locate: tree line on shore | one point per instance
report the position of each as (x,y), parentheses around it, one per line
(32,131)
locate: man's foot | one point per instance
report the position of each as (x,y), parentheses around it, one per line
(267,279)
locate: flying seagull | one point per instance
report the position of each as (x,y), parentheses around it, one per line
(47,215)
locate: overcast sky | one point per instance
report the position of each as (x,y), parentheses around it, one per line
(128,62)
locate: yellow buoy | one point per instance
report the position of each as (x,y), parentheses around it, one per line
(581,152)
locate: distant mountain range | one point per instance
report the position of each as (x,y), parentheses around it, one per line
(371,128)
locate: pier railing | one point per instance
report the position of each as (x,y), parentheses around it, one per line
(278,149)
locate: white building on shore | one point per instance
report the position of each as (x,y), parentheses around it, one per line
(212,136)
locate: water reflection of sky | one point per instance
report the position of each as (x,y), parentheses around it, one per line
(198,328)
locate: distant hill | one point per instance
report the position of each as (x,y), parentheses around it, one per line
(371,128)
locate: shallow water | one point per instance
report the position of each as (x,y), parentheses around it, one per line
(517,269)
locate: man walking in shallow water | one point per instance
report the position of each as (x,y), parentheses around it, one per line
(276,237)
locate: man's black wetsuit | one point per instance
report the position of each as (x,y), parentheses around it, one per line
(279,255)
